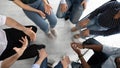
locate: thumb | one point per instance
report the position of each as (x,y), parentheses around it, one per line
(30,28)
(16,49)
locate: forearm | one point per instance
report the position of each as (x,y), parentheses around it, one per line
(94,47)
(83,62)
(9,61)
(14,24)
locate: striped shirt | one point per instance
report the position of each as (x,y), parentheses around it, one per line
(106,19)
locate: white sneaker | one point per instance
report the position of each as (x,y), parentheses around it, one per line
(53,32)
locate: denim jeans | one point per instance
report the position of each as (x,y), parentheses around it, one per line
(59,65)
(92,25)
(75,10)
(44,64)
(38,20)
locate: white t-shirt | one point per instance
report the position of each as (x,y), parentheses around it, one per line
(3,39)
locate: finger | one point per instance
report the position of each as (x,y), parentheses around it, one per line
(30,28)
(16,49)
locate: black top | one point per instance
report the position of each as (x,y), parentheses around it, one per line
(106,13)
(27,1)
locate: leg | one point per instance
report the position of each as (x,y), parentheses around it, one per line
(52,19)
(76,12)
(30,52)
(60,14)
(38,20)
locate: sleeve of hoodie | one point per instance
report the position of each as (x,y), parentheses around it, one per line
(101,9)
(106,32)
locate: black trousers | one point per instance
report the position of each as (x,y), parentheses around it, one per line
(13,37)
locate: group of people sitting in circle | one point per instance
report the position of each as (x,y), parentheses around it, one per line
(15,42)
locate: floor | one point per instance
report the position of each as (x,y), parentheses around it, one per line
(59,46)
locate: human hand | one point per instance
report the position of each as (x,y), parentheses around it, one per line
(24,42)
(79,45)
(84,4)
(42,14)
(30,33)
(65,61)
(76,48)
(85,33)
(42,54)
(47,8)
(83,23)
(63,7)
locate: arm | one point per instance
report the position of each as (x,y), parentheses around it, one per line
(14,24)
(42,56)
(77,50)
(19,51)
(101,9)
(106,32)
(27,7)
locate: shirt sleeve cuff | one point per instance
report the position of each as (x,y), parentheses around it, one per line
(35,66)
(2,19)
(63,1)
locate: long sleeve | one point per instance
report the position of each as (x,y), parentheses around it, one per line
(106,32)
(100,9)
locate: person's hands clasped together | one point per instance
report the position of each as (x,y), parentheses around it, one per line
(64,7)
(47,8)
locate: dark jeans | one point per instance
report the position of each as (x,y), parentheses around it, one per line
(98,58)
(44,64)
(13,37)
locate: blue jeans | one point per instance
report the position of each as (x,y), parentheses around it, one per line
(44,64)
(92,25)
(38,20)
(75,10)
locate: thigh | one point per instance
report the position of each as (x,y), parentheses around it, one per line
(36,18)
(51,18)
(31,51)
